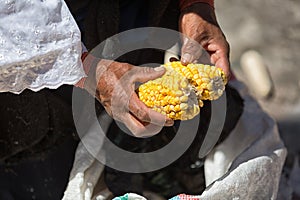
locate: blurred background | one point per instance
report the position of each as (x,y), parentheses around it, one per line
(270,31)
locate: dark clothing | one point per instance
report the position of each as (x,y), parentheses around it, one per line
(186,174)
(38,141)
(32,123)
(43,178)
(103,17)
(36,123)
(107,18)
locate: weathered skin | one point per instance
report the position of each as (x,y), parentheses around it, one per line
(199,23)
(116,80)
(116,89)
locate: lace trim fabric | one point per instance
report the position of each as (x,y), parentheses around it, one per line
(40,45)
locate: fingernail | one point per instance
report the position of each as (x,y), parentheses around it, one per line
(186,57)
(158,69)
(169,123)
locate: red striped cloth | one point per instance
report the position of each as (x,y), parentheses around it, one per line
(185,197)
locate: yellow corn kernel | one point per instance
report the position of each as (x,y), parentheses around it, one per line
(180,91)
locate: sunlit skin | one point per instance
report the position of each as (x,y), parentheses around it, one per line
(116,81)
(199,23)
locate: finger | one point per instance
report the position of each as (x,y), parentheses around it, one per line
(138,129)
(145,114)
(220,57)
(190,51)
(144,74)
(223,63)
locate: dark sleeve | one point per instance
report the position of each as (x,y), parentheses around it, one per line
(186,3)
(79,10)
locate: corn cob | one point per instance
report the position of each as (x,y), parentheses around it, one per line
(180,91)
(171,95)
(209,81)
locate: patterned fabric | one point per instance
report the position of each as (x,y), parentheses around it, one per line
(38,52)
(131,196)
(185,197)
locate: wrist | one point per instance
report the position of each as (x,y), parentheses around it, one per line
(198,16)
(89,82)
(86,69)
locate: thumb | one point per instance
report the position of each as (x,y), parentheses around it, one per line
(190,51)
(144,74)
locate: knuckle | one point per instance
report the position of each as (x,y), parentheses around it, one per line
(189,46)
(129,66)
(132,72)
(142,70)
(143,115)
(147,70)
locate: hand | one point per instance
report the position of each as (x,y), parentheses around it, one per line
(116,91)
(199,23)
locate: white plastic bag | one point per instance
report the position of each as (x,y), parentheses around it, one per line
(247,165)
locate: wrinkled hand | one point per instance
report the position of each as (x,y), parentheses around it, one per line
(116,91)
(199,23)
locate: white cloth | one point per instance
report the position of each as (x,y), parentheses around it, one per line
(247,165)
(87,169)
(40,45)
